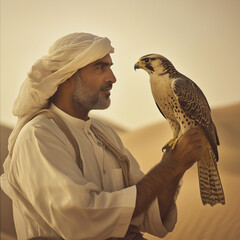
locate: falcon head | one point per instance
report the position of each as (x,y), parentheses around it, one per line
(155,64)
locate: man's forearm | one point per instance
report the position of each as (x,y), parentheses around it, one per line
(160,181)
(166,196)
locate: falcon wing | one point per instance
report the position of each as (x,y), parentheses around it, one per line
(195,105)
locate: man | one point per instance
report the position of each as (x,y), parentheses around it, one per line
(53,197)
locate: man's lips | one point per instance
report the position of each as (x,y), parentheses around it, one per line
(107,92)
(107,87)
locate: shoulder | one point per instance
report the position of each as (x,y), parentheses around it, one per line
(38,127)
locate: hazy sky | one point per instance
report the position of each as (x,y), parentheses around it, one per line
(201,38)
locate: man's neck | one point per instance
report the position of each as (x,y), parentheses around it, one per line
(73,109)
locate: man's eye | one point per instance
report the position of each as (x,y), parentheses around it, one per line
(100,67)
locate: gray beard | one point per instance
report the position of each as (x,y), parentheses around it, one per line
(85,97)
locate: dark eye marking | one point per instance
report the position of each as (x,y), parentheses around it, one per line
(147,61)
(150,68)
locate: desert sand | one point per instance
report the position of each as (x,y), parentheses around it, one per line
(195,221)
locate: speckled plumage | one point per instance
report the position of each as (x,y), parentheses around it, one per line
(184,106)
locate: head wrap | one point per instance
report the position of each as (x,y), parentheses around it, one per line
(65,57)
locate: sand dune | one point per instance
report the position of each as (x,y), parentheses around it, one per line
(195,221)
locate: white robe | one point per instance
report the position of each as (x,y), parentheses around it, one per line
(52,198)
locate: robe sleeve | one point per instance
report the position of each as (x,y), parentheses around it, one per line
(51,182)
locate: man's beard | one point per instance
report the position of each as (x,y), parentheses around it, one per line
(86,97)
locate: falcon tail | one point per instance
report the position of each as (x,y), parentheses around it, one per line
(209,180)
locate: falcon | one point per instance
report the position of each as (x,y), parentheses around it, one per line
(184,106)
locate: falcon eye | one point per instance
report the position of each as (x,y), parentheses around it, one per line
(147,60)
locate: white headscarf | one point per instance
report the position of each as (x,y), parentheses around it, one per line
(65,57)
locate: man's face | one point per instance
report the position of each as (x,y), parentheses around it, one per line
(93,84)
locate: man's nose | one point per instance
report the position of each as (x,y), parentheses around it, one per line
(111,77)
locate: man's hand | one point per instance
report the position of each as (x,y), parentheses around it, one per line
(162,180)
(187,152)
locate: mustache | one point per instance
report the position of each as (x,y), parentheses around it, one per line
(106,86)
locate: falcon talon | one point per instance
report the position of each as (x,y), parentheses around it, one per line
(164,149)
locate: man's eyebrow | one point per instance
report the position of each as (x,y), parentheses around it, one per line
(102,63)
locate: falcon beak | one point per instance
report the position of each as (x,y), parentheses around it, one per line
(137,66)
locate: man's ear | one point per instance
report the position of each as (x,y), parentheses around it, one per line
(68,83)
(64,91)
